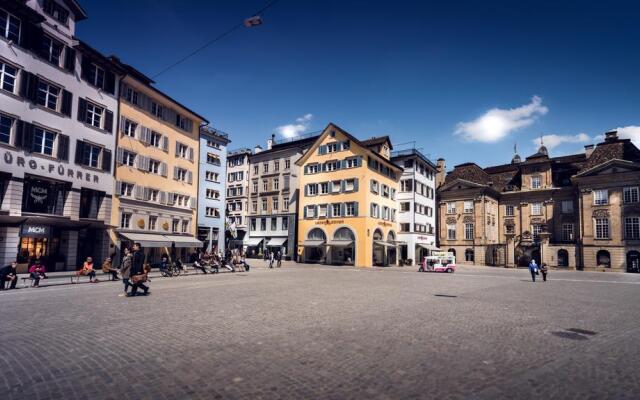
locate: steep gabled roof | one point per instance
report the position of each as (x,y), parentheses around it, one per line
(617,149)
(469,172)
(376,141)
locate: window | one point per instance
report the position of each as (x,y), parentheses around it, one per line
(600,197)
(210,142)
(285,223)
(276,165)
(405,227)
(324,188)
(255,170)
(6,125)
(287,163)
(265,167)
(126,189)
(351,163)
(631,194)
(8,74)
(265,185)
(336,186)
(94,115)
(274,224)
(567,232)
(213,159)
(375,187)
(312,189)
(405,206)
(276,184)
(153,195)
(96,76)
(253,224)
(274,203)
(56,11)
(155,138)
(90,155)
(175,225)
(311,211)
(128,158)
(263,224)
(536,208)
(52,50)
(451,207)
(536,230)
(212,194)
(211,176)
(48,95)
(157,109)
(9,26)
(153,222)
(509,211)
(567,207)
(182,150)
(322,210)
(451,232)
(285,204)
(312,169)
(350,209)
(264,204)
(43,141)
(154,166)
(632,228)
(125,220)
(185,226)
(468,206)
(254,206)
(468,231)
(130,128)
(535,182)
(602,228)
(131,96)
(375,210)
(406,185)
(349,185)
(336,210)
(385,191)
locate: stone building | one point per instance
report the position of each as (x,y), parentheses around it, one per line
(579,211)
(237,196)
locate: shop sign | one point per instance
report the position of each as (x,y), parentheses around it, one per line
(56,170)
(330,222)
(384,223)
(34,230)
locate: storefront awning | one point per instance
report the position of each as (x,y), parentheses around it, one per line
(340,242)
(252,241)
(276,242)
(428,246)
(382,243)
(313,243)
(184,241)
(147,239)
(399,243)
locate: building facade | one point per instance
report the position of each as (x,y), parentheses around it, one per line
(157,171)
(347,212)
(273,197)
(211,188)
(58,98)
(417,209)
(577,211)
(237,196)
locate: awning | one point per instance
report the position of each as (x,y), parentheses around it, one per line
(276,242)
(399,243)
(252,241)
(382,243)
(428,247)
(147,239)
(184,241)
(340,242)
(313,243)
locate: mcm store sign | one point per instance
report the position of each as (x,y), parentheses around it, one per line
(56,170)
(29,230)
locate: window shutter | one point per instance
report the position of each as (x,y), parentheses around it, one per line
(355,209)
(79,150)
(192,202)
(163,169)
(372,211)
(342,186)
(118,188)
(305,211)
(146,194)
(139,192)
(28,86)
(140,161)
(119,155)
(322,149)
(165,143)
(171,198)
(106,160)
(324,167)
(355,184)
(329,210)
(189,177)
(27,136)
(67,98)
(108,121)
(82,109)
(63,147)
(123,121)
(175,173)
(163,197)
(18,137)
(343,209)
(69,59)
(306,172)
(177,148)
(85,65)
(32,37)
(190,154)
(306,190)
(110,82)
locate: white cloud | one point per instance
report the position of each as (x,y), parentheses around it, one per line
(296,129)
(630,132)
(552,141)
(497,123)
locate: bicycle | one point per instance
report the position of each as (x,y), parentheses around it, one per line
(174,269)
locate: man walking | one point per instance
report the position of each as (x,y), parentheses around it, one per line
(137,271)
(544,270)
(533,268)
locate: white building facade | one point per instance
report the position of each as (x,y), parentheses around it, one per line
(417,205)
(237,196)
(57,105)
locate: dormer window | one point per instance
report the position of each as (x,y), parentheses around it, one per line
(536,182)
(56,11)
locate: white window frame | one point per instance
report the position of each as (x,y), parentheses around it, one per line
(601,228)
(536,208)
(632,225)
(5,31)
(9,134)
(451,231)
(125,220)
(468,206)
(600,197)
(451,207)
(536,182)
(47,136)
(468,231)
(93,153)
(509,210)
(631,194)
(94,115)
(8,79)
(48,93)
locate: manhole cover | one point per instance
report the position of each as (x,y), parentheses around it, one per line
(444,295)
(569,335)
(582,331)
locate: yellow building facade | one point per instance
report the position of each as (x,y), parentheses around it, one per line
(156,172)
(347,209)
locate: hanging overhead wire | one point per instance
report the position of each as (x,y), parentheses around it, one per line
(247,22)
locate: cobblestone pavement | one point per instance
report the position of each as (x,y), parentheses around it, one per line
(327,333)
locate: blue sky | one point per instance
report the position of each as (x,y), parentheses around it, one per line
(465,79)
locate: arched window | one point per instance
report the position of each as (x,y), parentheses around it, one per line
(317,234)
(377,235)
(469,255)
(344,234)
(563,258)
(603,259)
(391,237)
(452,251)
(633,261)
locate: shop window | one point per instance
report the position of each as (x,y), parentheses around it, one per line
(43,196)
(90,201)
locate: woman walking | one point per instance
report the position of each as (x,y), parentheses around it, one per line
(544,270)
(125,269)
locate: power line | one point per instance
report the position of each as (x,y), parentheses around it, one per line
(212,41)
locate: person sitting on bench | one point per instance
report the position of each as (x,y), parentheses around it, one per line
(9,273)
(36,272)
(107,268)
(87,269)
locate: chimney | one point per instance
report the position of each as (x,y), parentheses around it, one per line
(441,172)
(271,141)
(588,149)
(257,149)
(611,136)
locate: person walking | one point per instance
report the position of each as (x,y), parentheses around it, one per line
(9,273)
(271,258)
(278,259)
(36,272)
(138,276)
(125,269)
(544,270)
(533,268)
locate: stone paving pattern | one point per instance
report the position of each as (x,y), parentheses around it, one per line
(327,333)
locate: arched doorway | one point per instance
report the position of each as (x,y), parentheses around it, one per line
(314,246)
(391,250)
(469,255)
(563,258)
(452,251)
(343,247)
(633,262)
(603,259)
(378,248)
(535,254)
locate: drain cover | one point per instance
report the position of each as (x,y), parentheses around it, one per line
(569,335)
(444,295)
(582,331)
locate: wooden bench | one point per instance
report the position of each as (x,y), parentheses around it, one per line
(25,279)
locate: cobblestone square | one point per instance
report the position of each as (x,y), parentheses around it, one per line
(319,332)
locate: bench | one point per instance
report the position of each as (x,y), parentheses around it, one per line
(77,276)
(25,279)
